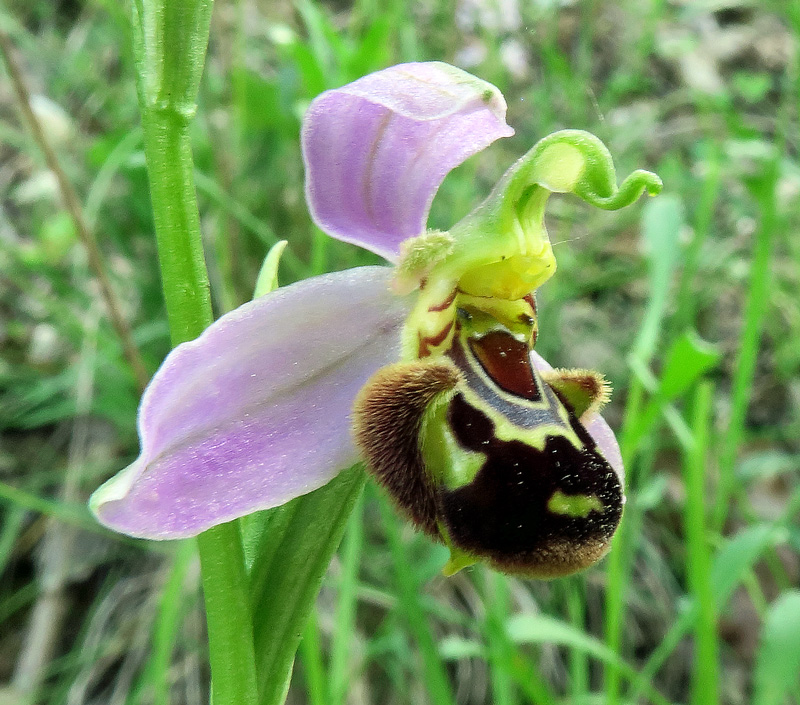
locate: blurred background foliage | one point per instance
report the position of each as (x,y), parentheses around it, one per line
(689,303)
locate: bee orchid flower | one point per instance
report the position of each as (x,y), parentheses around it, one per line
(424,369)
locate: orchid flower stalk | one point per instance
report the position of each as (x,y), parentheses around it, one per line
(169,46)
(424,369)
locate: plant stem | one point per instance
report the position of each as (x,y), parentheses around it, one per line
(170,40)
(186,292)
(177,223)
(230,632)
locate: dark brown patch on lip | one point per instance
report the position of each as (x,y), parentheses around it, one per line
(507,362)
(387,421)
(503,515)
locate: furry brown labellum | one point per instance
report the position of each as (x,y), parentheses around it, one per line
(482,453)
(389,414)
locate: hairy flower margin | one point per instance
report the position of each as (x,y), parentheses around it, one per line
(257,410)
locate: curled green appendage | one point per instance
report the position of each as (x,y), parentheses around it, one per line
(628,192)
(502,250)
(574,161)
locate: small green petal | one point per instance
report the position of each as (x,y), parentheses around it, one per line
(268,275)
(458,561)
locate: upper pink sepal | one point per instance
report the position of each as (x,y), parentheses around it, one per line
(377,150)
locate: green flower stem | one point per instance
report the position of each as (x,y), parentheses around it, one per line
(186,292)
(170,39)
(177,223)
(230,631)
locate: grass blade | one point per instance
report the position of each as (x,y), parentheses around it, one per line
(705,676)
(778,659)
(434,672)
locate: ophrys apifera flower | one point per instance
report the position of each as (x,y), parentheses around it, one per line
(425,369)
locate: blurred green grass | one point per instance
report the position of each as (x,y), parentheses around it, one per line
(689,303)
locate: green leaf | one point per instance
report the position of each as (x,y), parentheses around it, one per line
(323,40)
(410,606)
(738,555)
(541,629)
(688,359)
(731,562)
(777,669)
(767,465)
(752,86)
(265,104)
(288,550)
(374,49)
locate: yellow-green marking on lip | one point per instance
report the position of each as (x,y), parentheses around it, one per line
(577,505)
